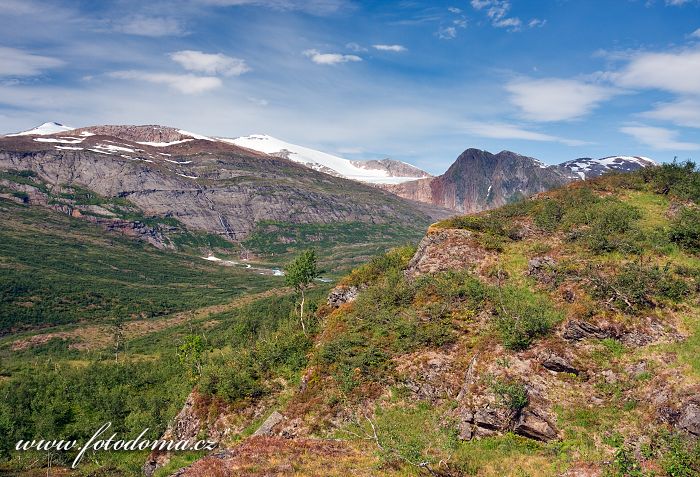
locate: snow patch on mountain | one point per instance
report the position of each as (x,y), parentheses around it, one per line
(44,129)
(587,168)
(317,160)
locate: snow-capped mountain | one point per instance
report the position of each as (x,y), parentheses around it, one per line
(44,129)
(386,171)
(587,168)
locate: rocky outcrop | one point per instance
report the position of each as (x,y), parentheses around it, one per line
(266,427)
(185,426)
(689,418)
(557,363)
(446,249)
(341,295)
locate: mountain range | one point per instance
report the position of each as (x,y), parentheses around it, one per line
(479,180)
(234,187)
(161,184)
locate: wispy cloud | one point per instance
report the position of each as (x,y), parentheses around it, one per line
(330,58)
(449,29)
(150,26)
(511,131)
(14,62)
(394,48)
(446,32)
(677,72)
(186,84)
(497,12)
(659,138)
(212,64)
(554,99)
(315,7)
(683,112)
(356,47)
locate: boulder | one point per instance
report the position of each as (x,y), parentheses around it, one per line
(689,419)
(558,364)
(542,269)
(341,295)
(532,425)
(266,427)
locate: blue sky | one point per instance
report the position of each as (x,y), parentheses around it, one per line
(418,81)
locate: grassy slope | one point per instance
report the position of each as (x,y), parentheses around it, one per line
(617,244)
(57,269)
(358,349)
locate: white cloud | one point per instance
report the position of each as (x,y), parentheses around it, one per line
(14,62)
(454,10)
(187,84)
(512,23)
(511,131)
(554,99)
(394,48)
(677,3)
(695,34)
(211,64)
(678,72)
(659,138)
(684,112)
(330,58)
(357,48)
(150,26)
(446,33)
(497,12)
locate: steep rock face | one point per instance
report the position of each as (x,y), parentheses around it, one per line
(479,180)
(206,185)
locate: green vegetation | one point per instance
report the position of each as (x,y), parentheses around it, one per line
(512,394)
(300,275)
(521,316)
(57,269)
(340,246)
(385,370)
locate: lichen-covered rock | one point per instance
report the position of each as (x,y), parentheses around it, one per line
(689,419)
(533,425)
(576,330)
(557,363)
(341,295)
(446,249)
(266,427)
(542,269)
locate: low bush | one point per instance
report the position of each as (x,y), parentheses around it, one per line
(637,286)
(512,394)
(685,229)
(521,316)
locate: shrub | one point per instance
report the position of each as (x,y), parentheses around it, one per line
(637,286)
(521,316)
(396,259)
(511,393)
(685,229)
(681,180)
